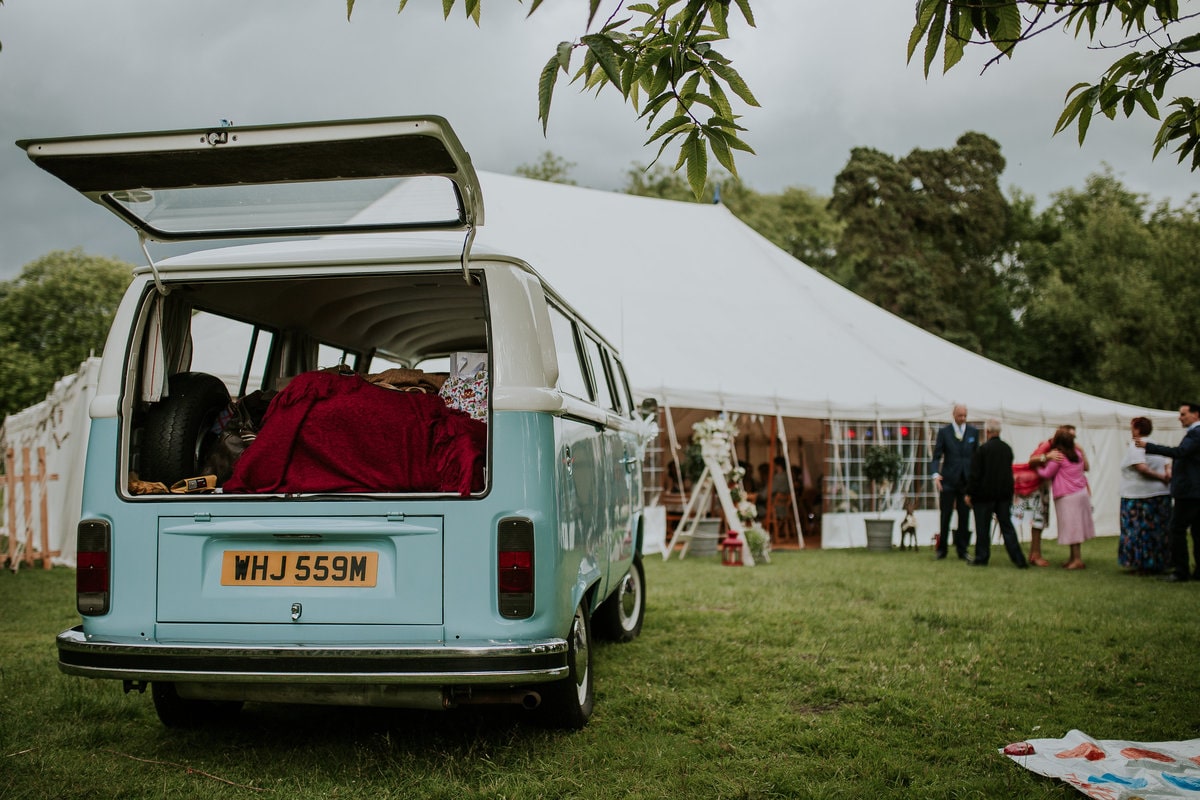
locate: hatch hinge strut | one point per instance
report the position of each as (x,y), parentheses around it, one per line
(158,284)
(466,253)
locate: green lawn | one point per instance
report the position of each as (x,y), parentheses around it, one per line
(825,674)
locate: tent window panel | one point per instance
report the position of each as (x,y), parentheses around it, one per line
(922,488)
(847,490)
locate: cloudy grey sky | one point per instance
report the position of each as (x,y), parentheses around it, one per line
(830,76)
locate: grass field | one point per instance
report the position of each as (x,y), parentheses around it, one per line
(826,674)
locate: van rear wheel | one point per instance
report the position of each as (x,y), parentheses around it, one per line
(619,618)
(179,712)
(568,703)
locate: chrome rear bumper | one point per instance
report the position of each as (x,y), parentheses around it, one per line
(132,659)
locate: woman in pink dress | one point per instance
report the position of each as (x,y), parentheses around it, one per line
(1072,499)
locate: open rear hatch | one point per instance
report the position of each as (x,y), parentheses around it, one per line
(277,180)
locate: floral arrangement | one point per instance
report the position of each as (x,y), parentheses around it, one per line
(715,437)
(746,511)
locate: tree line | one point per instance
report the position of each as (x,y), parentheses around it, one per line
(1092,292)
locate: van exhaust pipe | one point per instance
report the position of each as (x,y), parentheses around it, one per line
(527,699)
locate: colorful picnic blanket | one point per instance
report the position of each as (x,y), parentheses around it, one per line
(1111,769)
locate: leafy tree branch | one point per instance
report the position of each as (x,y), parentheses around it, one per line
(1166,43)
(661,57)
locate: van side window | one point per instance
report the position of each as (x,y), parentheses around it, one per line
(330,356)
(595,363)
(570,371)
(222,346)
(617,370)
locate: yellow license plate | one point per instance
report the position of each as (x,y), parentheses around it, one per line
(292,568)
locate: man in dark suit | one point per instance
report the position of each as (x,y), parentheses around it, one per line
(990,493)
(1185,491)
(951,467)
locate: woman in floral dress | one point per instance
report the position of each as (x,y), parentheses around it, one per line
(1145,505)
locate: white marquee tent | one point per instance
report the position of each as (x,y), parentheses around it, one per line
(710,315)
(44,447)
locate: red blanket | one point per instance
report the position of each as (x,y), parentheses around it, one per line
(337,433)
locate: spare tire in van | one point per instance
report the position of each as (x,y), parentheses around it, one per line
(181,428)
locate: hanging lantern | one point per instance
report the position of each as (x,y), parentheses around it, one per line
(731,549)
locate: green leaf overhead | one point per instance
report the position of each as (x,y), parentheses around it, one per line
(696,154)
(546,88)
(1162,41)
(657,54)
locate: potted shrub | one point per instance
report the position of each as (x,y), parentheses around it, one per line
(882,466)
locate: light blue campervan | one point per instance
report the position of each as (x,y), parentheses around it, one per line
(365,463)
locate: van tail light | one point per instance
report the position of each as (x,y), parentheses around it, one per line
(93,545)
(514,567)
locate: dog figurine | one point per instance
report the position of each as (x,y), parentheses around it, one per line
(908,529)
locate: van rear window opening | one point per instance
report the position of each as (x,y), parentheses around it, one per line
(372,384)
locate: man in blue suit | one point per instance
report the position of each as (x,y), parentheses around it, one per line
(1185,491)
(951,468)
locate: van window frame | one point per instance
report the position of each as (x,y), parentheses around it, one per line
(621,383)
(594,350)
(576,346)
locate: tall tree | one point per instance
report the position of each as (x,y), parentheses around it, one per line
(924,238)
(1155,39)
(52,317)
(1111,303)
(1170,378)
